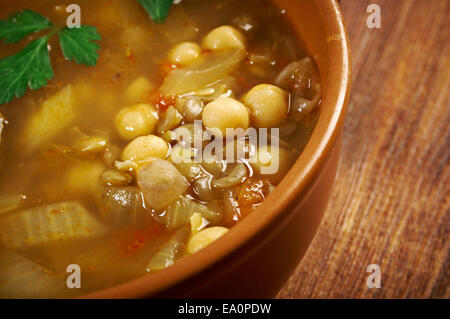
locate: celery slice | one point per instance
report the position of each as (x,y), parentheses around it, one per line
(46,224)
(170,252)
(22,278)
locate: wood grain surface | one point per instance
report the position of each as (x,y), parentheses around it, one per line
(391,202)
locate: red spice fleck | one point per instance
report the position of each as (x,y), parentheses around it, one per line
(129,55)
(139,239)
(135,246)
(133,239)
(163,102)
(167,67)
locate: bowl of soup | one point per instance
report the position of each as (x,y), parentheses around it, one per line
(191,155)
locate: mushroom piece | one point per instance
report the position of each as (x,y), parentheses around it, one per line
(161,183)
(301,79)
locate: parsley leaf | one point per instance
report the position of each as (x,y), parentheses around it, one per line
(77,44)
(29,68)
(157,9)
(20,24)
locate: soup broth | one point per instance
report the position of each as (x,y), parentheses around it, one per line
(88,183)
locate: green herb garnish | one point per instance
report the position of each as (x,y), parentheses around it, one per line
(21,24)
(77,44)
(157,9)
(31,67)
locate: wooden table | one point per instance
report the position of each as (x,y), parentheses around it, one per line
(391,201)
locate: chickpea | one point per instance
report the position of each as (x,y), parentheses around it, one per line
(145,147)
(272,161)
(225,112)
(224,38)
(137,90)
(268,105)
(205,237)
(137,120)
(184,53)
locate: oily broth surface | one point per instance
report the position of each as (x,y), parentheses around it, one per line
(132,46)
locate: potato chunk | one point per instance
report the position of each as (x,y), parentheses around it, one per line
(46,224)
(161,183)
(53,116)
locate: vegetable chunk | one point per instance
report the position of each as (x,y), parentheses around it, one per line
(203,71)
(51,223)
(22,278)
(10,202)
(122,206)
(54,115)
(161,183)
(179,213)
(170,252)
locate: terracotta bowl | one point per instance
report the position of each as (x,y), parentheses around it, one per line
(258,255)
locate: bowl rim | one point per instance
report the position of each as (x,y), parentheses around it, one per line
(294,184)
